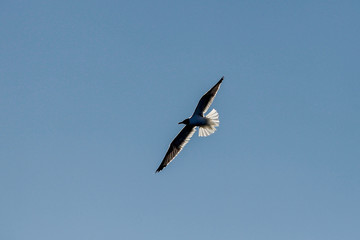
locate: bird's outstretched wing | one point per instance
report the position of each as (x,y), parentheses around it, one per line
(177,145)
(207,99)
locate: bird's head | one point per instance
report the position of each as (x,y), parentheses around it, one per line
(186,121)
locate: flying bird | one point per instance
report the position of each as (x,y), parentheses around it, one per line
(207,125)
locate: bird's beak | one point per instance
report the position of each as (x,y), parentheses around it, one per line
(181,122)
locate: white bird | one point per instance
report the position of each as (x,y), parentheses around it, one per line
(207,125)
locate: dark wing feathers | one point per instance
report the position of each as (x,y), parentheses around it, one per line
(177,145)
(207,99)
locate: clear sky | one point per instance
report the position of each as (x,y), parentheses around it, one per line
(91,93)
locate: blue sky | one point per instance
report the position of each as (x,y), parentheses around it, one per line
(91,93)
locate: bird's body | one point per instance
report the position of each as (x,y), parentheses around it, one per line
(207,125)
(197,120)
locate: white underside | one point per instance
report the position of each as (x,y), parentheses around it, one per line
(212,123)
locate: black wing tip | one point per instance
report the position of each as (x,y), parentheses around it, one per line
(221,79)
(159,169)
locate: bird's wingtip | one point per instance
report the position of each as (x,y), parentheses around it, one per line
(221,79)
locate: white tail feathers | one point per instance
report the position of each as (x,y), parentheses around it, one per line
(210,127)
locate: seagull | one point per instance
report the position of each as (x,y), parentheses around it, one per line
(207,125)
